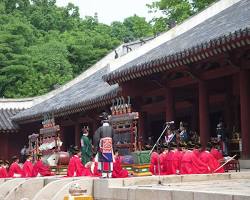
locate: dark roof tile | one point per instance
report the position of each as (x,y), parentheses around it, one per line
(90,90)
(234,18)
(6,124)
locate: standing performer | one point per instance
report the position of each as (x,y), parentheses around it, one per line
(86,146)
(103,143)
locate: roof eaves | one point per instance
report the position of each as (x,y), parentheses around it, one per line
(196,53)
(83,106)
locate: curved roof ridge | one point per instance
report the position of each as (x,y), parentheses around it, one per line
(178,30)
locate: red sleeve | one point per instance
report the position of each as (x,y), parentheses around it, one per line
(27,169)
(43,169)
(35,169)
(200,167)
(3,172)
(15,169)
(71,167)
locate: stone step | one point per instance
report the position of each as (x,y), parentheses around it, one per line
(7,186)
(52,188)
(85,183)
(26,189)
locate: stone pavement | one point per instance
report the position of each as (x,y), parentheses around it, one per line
(227,186)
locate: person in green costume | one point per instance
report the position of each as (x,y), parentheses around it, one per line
(86,146)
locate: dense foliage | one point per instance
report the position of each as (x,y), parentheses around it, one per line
(43,45)
(176,11)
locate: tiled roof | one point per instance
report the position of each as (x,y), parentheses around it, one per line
(6,124)
(223,31)
(89,93)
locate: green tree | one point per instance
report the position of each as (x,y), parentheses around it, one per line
(42,45)
(178,10)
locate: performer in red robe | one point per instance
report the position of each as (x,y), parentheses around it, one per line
(190,164)
(3,171)
(28,167)
(197,150)
(216,153)
(163,163)
(15,170)
(211,161)
(176,160)
(75,167)
(154,168)
(169,159)
(219,157)
(118,172)
(40,169)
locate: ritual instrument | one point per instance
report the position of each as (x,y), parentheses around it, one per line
(50,144)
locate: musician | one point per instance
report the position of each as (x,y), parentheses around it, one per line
(207,158)
(169,136)
(197,149)
(221,136)
(163,161)
(154,163)
(183,132)
(190,163)
(176,159)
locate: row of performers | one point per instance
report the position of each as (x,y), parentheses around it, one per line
(187,159)
(28,169)
(75,167)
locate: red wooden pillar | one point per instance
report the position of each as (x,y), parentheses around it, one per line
(169,105)
(77,134)
(203,113)
(245,113)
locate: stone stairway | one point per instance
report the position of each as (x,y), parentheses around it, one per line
(228,186)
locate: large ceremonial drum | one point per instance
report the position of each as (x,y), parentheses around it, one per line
(63,158)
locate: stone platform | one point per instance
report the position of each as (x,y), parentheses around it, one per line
(228,186)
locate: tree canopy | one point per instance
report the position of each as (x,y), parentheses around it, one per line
(43,45)
(176,11)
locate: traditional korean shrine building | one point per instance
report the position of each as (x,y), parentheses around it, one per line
(199,75)
(197,72)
